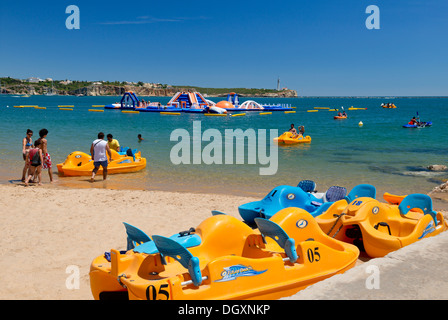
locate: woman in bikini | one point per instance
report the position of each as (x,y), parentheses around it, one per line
(35,160)
(27,143)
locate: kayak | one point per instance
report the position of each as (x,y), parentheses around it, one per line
(286,138)
(420,125)
(340,117)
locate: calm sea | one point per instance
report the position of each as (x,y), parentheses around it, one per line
(380,152)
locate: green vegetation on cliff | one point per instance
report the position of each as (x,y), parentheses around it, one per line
(74,87)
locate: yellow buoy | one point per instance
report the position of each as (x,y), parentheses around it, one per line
(97,106)
(129,111)
(171,113)
(360,124)
(290,112)
(215,114)
(265,113)
(43,108)
(95,110)
(69,109)
(238,115)
(312,111)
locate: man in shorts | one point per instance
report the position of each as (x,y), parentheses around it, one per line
(46,156)
(98,151)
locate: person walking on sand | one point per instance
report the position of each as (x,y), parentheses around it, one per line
(47,159)
(98,151)
(35,161)
(27,143)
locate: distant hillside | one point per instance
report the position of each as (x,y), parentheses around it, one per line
(117,88)
(245,92)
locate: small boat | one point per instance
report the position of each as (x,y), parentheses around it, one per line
(339,117)
(113,106)
(287,138)
(418,125)
(223,258)
(79,163)
(379,228)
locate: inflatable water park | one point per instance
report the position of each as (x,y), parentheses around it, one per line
(194,102)
(232,104)
(294,237)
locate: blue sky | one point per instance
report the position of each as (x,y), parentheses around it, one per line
(319,47)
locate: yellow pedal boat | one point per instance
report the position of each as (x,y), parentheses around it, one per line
(223,258)
(79,163)
(286,138)
(379,228)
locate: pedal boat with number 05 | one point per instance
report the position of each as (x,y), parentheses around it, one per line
(223,258)
(380,228)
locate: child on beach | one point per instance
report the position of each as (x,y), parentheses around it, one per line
(27,143)
(46,164)
(35,160)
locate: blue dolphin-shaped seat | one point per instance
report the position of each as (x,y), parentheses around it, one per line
(287,196)
(279,198)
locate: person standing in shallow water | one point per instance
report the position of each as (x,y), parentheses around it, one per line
(46,156)
(35,160)
(27,143)
(98,151)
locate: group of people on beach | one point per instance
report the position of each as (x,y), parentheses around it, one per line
(36,157)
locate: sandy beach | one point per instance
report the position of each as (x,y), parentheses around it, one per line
(47,229)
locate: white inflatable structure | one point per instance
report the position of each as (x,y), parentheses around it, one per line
(250,104)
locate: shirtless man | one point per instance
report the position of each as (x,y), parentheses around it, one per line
(293,131)
(46,156)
